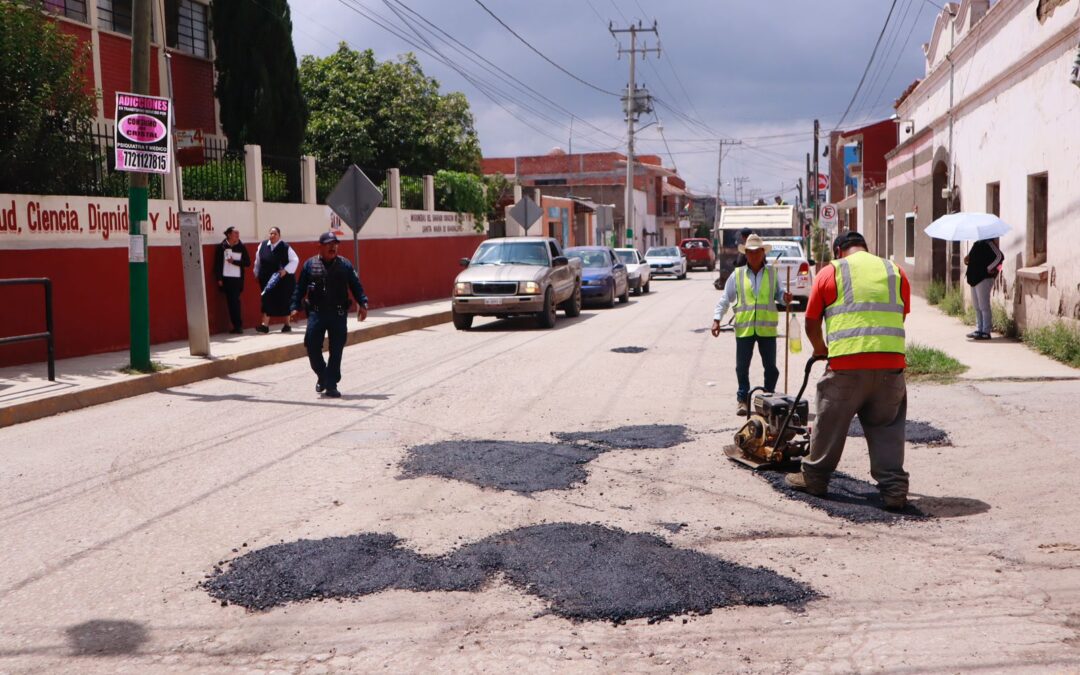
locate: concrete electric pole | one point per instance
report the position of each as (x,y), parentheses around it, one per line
(719,174)
(637,101)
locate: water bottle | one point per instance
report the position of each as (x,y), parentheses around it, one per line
(794,334)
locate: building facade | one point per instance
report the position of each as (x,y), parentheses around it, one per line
(992,128)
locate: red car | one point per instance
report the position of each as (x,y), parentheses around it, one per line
(699,253)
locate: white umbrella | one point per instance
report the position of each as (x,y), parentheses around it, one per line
(968,227)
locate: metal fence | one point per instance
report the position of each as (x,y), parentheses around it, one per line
(221,177)
(281,179)
(102,179)
(327,177)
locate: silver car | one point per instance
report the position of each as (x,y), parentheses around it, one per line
(788,257)
(666,261)
(636,268)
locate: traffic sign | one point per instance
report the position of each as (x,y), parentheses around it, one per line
(354,198)
(822,182)
(525,213)
(829,217)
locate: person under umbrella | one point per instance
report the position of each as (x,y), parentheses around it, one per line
(983,262)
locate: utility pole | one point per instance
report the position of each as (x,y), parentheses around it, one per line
(739,181)
(817,172)
(138,196)
(719,174)
(636,102)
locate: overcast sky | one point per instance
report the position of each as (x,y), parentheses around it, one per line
(728,68)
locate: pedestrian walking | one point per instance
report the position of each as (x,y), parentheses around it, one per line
(230,259)
(275,268)
(324,287)
(983,263)
(863,301)
(753,291)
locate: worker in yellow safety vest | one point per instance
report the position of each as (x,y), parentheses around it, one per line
(753,291)
(862,300)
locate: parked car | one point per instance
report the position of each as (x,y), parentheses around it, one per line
(787,255)
(699,253)
(512,276)
(636,269)
(666,260)
(603,274)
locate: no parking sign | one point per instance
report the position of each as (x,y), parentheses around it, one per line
(829,217)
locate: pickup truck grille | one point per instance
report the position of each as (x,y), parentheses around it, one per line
(494,288)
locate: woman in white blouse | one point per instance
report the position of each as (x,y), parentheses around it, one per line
(275,268)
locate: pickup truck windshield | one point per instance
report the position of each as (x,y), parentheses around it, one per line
(512,253)
(628,257)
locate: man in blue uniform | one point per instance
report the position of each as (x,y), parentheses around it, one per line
(325,283)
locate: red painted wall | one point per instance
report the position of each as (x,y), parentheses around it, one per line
(193,80)
(82,34)
(116,69)
(90,290)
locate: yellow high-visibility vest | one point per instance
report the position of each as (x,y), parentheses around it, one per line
(868,313)
(755,313)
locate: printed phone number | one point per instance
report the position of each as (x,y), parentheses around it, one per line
(142,161)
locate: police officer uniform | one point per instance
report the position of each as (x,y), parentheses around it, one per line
(323,290)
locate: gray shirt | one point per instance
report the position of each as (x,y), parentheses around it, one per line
(730,293)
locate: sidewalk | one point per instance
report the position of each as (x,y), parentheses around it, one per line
(26,393)
(999,358)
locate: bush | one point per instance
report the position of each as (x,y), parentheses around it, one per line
(952,302)
(412,193)
(1059,340)
(929,364)
(221,181)
(275,186)
(935,292)
(1003,322)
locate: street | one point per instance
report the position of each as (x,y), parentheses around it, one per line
(113,516)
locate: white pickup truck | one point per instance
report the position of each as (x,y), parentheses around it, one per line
(513,276)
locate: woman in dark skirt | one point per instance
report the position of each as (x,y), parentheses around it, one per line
(275,258)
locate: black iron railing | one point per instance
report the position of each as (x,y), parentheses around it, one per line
(48,334)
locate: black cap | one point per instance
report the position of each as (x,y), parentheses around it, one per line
(328,238)
(745,232)
(847,240)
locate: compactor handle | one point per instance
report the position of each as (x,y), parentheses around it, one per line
(814,359)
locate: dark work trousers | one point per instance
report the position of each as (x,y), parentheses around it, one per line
(318,326)
(879,398)
(233,288)
(744,351)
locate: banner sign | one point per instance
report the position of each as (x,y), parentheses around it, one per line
(141,136)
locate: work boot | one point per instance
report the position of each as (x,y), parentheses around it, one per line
(895,502)
(798,482)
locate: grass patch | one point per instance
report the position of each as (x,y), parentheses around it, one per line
(155,367)
(1059,340)
(1003,323)
(926,364)
(969,316)
(952,302)
(935,292)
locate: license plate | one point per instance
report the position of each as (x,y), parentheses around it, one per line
(492,301)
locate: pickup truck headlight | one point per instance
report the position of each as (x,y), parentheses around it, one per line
(529,288)
(462,288)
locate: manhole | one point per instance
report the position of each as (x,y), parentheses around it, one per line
(582,572)
(915,432)
(629,350)
(848,498)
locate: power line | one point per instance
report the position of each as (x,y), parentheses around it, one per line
(542,54)
(869,63)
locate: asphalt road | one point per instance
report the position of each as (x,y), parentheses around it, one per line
(113,517)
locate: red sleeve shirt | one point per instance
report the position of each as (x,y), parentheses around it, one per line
(824,294)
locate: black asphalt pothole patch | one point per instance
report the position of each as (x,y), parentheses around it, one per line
(582,572)
(533,467)
(848,498)
(629,350)
(915,432)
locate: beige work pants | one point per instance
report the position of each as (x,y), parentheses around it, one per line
(879,398)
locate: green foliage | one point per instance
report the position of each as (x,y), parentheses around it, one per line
(969,316)
(384,115)
(820,245)
(1059,340)
(215,181)
(462,193)
(45,106)
(952,302)
(275,185)
(412,192)
(258,85)
(1003,323)
(935,292)
(498,189)
(933,365)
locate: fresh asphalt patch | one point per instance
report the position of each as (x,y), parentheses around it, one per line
(629,350)
(849,498)
(526,468)
(915,432)
(583,572)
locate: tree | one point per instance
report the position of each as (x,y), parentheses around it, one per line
(383,115)
(258,86)
(46,107)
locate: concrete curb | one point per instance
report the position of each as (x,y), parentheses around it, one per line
(177,377)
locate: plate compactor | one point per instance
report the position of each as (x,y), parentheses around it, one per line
(777,428)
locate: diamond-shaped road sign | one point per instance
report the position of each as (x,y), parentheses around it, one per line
(525,212)
(354,198)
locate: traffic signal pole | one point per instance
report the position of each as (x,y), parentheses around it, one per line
(139,199)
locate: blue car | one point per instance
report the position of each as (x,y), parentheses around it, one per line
(603,275)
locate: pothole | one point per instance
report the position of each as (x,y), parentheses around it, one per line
(533,467)
(629,350)
(582,572)
(915,432)
(848,498)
